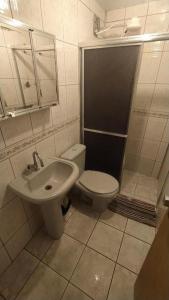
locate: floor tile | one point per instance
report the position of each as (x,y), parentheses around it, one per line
(40,244)
(73,293)
(43,284)
(17,274)
(93,274)
(141,231)
(132,253)
(64,255)
(80,226)
(106,240)
(122,286)
(113,219)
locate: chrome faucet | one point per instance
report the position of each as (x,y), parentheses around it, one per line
(34,166)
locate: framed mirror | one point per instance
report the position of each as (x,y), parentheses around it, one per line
(28,72)
(45,67)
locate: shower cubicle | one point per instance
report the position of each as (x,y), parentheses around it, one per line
(109,74)
(111,70)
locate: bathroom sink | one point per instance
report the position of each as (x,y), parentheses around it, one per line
(50,182)
(48,187)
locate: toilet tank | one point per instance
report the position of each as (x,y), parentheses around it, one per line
(76,154)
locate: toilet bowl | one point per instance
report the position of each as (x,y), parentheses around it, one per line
(100,187)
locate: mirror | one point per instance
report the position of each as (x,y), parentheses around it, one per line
(45,64)
(28,72)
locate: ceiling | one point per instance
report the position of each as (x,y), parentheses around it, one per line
(115,4)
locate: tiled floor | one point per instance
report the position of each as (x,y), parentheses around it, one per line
(98,257)
(139,186)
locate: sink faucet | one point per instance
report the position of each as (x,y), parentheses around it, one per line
(34,166)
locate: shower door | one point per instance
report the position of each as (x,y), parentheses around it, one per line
(108,81)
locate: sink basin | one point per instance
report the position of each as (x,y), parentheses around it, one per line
(50,182)
(47,188)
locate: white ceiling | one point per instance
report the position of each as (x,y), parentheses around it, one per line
(115,4)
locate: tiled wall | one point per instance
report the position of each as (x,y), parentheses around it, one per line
(71,21)
(149,124)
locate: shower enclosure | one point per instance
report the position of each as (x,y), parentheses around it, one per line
(108,88)
(125,113)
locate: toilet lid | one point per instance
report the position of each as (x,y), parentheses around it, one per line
(99,182)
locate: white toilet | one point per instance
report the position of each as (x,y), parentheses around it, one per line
(100,187)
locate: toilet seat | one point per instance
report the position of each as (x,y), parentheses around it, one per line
(98,182)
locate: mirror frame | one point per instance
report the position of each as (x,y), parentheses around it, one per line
(13,23)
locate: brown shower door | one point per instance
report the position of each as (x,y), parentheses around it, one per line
(108,75)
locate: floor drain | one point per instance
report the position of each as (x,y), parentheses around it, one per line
(48,187)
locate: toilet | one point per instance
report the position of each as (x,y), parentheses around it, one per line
(100,187)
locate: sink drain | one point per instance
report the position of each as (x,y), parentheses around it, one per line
(48,187)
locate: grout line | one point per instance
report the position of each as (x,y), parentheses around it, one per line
(20,290)
(126,233)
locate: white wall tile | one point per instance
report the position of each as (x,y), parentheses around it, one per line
(85,23)
(72,64)
(61,141)
(73,101)
(59,112)
(145,166)
(53,16)
(21,160)
(5,70)
(16,129)
(87,3)
(70,21)
(157,23)
(18,241)
(143,96)
(6,175)
(153,46)
(165,137)
(152,60)
(162,151)
(166,46)
(41,120)
(136,10)
(60,50)
(155,128)
(4,260)
(46,148)
(12,217)
(27,11)
(137,126)
(133,146)
(97,9)
(163,74)
(5,8)
(115,15)
(2,144)
(150,149)
(164,170)
(160,102)
(158,6)
(156,169)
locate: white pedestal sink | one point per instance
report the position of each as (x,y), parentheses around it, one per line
(47,187)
